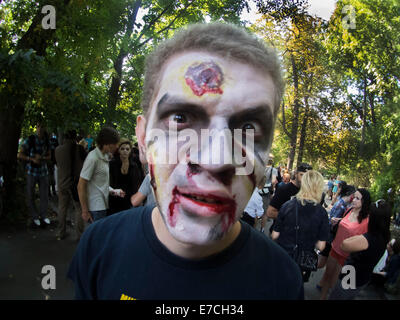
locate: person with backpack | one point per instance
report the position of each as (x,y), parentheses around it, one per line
(284,193)
(36,152)
(70,157)
(302,224)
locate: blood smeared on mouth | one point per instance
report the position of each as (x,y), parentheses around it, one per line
(204,204)
(205,77)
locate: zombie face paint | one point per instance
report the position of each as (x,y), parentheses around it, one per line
(197,91)
(205,77)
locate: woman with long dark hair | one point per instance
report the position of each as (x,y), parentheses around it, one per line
(124,175)
(365,251)
(354,222)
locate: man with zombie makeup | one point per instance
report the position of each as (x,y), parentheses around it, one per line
(209,80)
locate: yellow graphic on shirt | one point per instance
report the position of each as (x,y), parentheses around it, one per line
(125,297)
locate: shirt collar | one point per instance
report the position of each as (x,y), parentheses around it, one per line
(102,156)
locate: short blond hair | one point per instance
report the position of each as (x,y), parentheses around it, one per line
(312,186)
(225,40)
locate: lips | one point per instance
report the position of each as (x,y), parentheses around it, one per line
(202,204)
(206,205)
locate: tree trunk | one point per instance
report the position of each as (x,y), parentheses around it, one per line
(295,120)
(10,131)
(11,116)
(364,119)
(339,162)
(303,132)
(113,93)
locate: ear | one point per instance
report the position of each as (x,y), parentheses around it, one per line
(141,137)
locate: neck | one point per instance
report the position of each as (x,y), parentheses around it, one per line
(187,250)
(123,159)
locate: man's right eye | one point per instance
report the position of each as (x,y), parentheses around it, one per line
(178,118)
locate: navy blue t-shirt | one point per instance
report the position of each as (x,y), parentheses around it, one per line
(120,256)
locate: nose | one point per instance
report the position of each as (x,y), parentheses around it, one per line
(215,154)
(222,173)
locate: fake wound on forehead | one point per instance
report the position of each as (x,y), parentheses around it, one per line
(204,77)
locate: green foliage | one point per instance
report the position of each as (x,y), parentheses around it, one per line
(348,79)
(20,75)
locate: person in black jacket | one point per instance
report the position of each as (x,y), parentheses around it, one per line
(311,219)
(124,175)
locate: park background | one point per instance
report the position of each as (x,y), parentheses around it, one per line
(340,111)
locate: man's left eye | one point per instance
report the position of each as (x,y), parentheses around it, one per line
(248,126)
(251,126)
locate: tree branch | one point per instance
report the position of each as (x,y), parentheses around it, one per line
(152,22)
(283,122)
(168,26)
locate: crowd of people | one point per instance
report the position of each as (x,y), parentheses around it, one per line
(351,230)
(187,241)
(98,178)
(108,179)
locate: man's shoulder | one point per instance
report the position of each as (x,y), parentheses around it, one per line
(285,187)
(92,157)
(63,147)
(131,215)
(276,265)
(115,227)
(268,249)
(287,190)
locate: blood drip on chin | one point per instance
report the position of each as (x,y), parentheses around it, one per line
(228,218)
(152,178)
(172,212)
